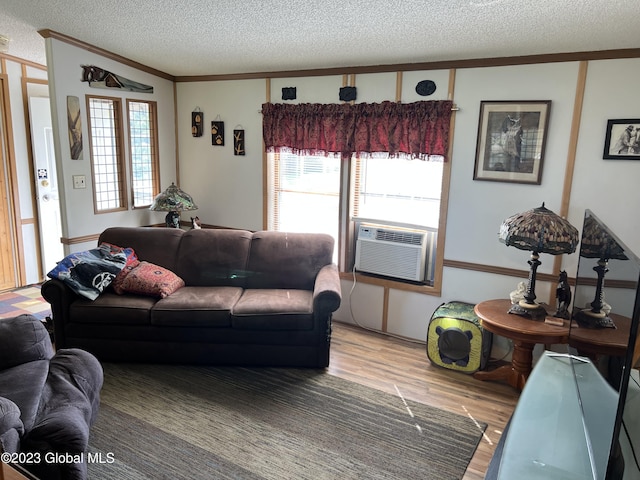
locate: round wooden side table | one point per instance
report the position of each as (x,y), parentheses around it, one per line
(524,332)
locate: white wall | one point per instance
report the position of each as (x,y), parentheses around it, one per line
(229,189)
(608,187)
(65,74)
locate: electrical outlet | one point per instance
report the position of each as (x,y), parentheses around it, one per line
(79,181)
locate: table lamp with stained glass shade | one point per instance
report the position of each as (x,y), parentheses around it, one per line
(173,200)
(597,243)
(539,231)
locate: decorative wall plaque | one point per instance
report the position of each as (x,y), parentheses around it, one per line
(217,133)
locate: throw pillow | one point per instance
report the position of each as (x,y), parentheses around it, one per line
(153,280)
(88,273)
(119,280)
(132,262)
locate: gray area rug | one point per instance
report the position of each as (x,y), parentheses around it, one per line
(175,422)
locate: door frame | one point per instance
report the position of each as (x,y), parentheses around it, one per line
(9,183)
(33,194)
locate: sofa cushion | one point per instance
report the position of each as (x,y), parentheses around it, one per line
(273,309)
(157,245)
(23,339)
(111,309)
(151,279)
(197,307)
(214,257)
(287,260)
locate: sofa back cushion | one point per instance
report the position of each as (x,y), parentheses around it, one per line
(158,245)
(214,257)
(287,260)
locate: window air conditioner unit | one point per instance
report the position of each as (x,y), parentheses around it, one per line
(392,252)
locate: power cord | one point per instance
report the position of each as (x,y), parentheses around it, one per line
(353,317)
(497,360)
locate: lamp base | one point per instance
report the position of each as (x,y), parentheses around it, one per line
(534,311)
(172,220)
(590,319)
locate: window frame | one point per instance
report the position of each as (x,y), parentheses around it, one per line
(155,157)
(119,146)
(347,228)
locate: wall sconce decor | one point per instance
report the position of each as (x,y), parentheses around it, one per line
(288,93)
(238,142)
(424,88)
(174,201)
(197,122)
(348,94)
(217,133)
(538,231)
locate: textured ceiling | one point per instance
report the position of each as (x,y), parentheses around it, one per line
(243,36)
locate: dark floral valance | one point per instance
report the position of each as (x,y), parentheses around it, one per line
(418,130)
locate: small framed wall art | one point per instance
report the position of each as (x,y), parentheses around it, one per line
(511,141)
(217,133)
(238,142)
(74,123)
(197,123)
(622,139)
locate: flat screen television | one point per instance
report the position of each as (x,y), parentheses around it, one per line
(604,327)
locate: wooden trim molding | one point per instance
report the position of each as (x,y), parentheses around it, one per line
(476,267)
(509,272)
(46,33)
(11,179)
(408,67)
(388,283)
(405,67)
(83,239)
(22,61)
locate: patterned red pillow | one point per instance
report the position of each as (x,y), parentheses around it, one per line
(153,280)
(119,280)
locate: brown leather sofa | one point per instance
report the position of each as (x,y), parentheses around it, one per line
(250,298)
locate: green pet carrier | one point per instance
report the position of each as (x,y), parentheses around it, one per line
(456,340)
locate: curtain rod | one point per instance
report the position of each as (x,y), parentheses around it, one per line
(454,108)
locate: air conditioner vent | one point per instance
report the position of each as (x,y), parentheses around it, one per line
(399,236)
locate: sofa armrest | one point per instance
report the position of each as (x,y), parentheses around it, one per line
(11,427)
(327,292)
(60,297)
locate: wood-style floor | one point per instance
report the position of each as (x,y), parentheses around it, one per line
(383,362)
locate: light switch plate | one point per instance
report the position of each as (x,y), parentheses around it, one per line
(79,181)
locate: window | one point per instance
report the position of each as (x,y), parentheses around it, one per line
(386,173)
(143,152)
(108,158)
(305,193)
(395,190)
(105,137)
